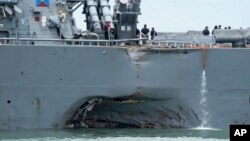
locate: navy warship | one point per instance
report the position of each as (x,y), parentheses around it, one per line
(54,76)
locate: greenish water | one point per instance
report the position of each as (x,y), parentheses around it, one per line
(117,135)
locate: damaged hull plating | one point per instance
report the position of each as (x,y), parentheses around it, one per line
(57,87)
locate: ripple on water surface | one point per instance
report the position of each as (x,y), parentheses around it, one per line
(122,139)
(118,135)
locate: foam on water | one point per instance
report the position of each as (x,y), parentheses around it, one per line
(122,139)
(203,102)
(205,128)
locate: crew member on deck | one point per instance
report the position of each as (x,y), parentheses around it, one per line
(138,34)
(215,27)
(206,31)
(145,32)
(153,33)
(107,28)
(113,33)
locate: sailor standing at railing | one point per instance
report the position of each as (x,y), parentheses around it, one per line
(107,28)
(206,32)
(138,35)
(145,32)
(153,33)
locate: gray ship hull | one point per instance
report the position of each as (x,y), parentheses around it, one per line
(42,87)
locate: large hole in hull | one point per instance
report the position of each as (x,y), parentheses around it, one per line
(133,112)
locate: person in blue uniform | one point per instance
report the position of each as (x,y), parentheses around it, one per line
(107,28)
(153,33)
(138,34)
(206,32)
(145,32)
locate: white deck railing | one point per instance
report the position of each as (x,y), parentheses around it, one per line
(68,42)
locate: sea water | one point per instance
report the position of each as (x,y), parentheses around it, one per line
(117,135)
